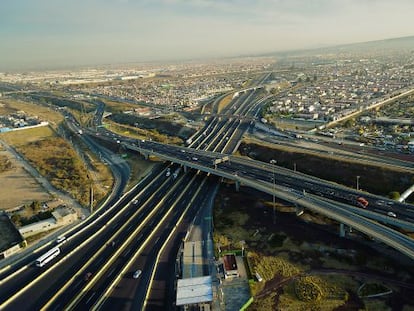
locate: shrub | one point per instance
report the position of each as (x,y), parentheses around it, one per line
(269,267)
(307,289)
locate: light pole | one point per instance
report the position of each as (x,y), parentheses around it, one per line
(274,186)
(242,243)
(357,182)
(90,193)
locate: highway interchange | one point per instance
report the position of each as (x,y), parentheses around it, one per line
(143,228)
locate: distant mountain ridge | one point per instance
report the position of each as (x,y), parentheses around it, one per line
(401,43)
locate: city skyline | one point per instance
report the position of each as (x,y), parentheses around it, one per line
(51,34)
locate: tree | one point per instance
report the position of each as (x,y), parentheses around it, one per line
(35,206)
(221,240)
(349,123)
(395,195)
(16,219)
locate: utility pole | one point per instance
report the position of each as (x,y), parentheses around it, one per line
(357,183)
(90,193)
(91,198)
(274,190)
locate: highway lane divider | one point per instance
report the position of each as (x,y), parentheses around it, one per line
(36,280)
(168,240)
(56,263)
(65,233)
(132,236)
(106,294)
(125,225)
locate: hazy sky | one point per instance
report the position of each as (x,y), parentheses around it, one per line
(38,33)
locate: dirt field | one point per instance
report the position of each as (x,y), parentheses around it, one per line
(18,186)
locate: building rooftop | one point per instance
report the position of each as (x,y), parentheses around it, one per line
(194,291)
(192,259)
(229,262)
(9,235)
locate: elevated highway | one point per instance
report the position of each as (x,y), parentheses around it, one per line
(146,219)
(354,217)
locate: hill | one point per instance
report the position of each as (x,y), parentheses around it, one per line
(403,44)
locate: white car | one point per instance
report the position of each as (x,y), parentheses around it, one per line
(137,274)
(391,214)
(61,240)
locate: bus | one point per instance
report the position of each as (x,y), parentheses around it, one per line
(48,256)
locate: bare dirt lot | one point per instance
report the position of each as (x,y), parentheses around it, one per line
(18,187)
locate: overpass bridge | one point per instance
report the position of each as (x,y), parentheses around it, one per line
(406,194)
(362,220)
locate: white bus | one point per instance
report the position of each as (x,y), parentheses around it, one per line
(48,256)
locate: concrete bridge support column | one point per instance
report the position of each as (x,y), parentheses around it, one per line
(341,230)
(237,184)
(185,169)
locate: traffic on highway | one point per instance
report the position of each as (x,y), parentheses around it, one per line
(124,256)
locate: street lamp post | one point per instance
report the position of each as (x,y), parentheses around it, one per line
(274,189)
(90,193)
(242,243)
(357,183)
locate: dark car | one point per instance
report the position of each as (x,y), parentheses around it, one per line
(87,276)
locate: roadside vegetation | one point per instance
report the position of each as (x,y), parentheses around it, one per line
(138,167)
(57,161)
(302,263)
(374,178)
(5,164)
(119,107)
(9,106)
(30,213)
(224,102)
(118,125)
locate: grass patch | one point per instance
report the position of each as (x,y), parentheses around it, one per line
(269,267)
(277,240)
(23,137)
(55,159)
(134,132)
(35,238)
(329,294)
(224,102)
(369,289)
(332,263)
(114,106)
(32,109)
(380,305)
(383,179)
(5,164)
(282,253)
(138,167)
